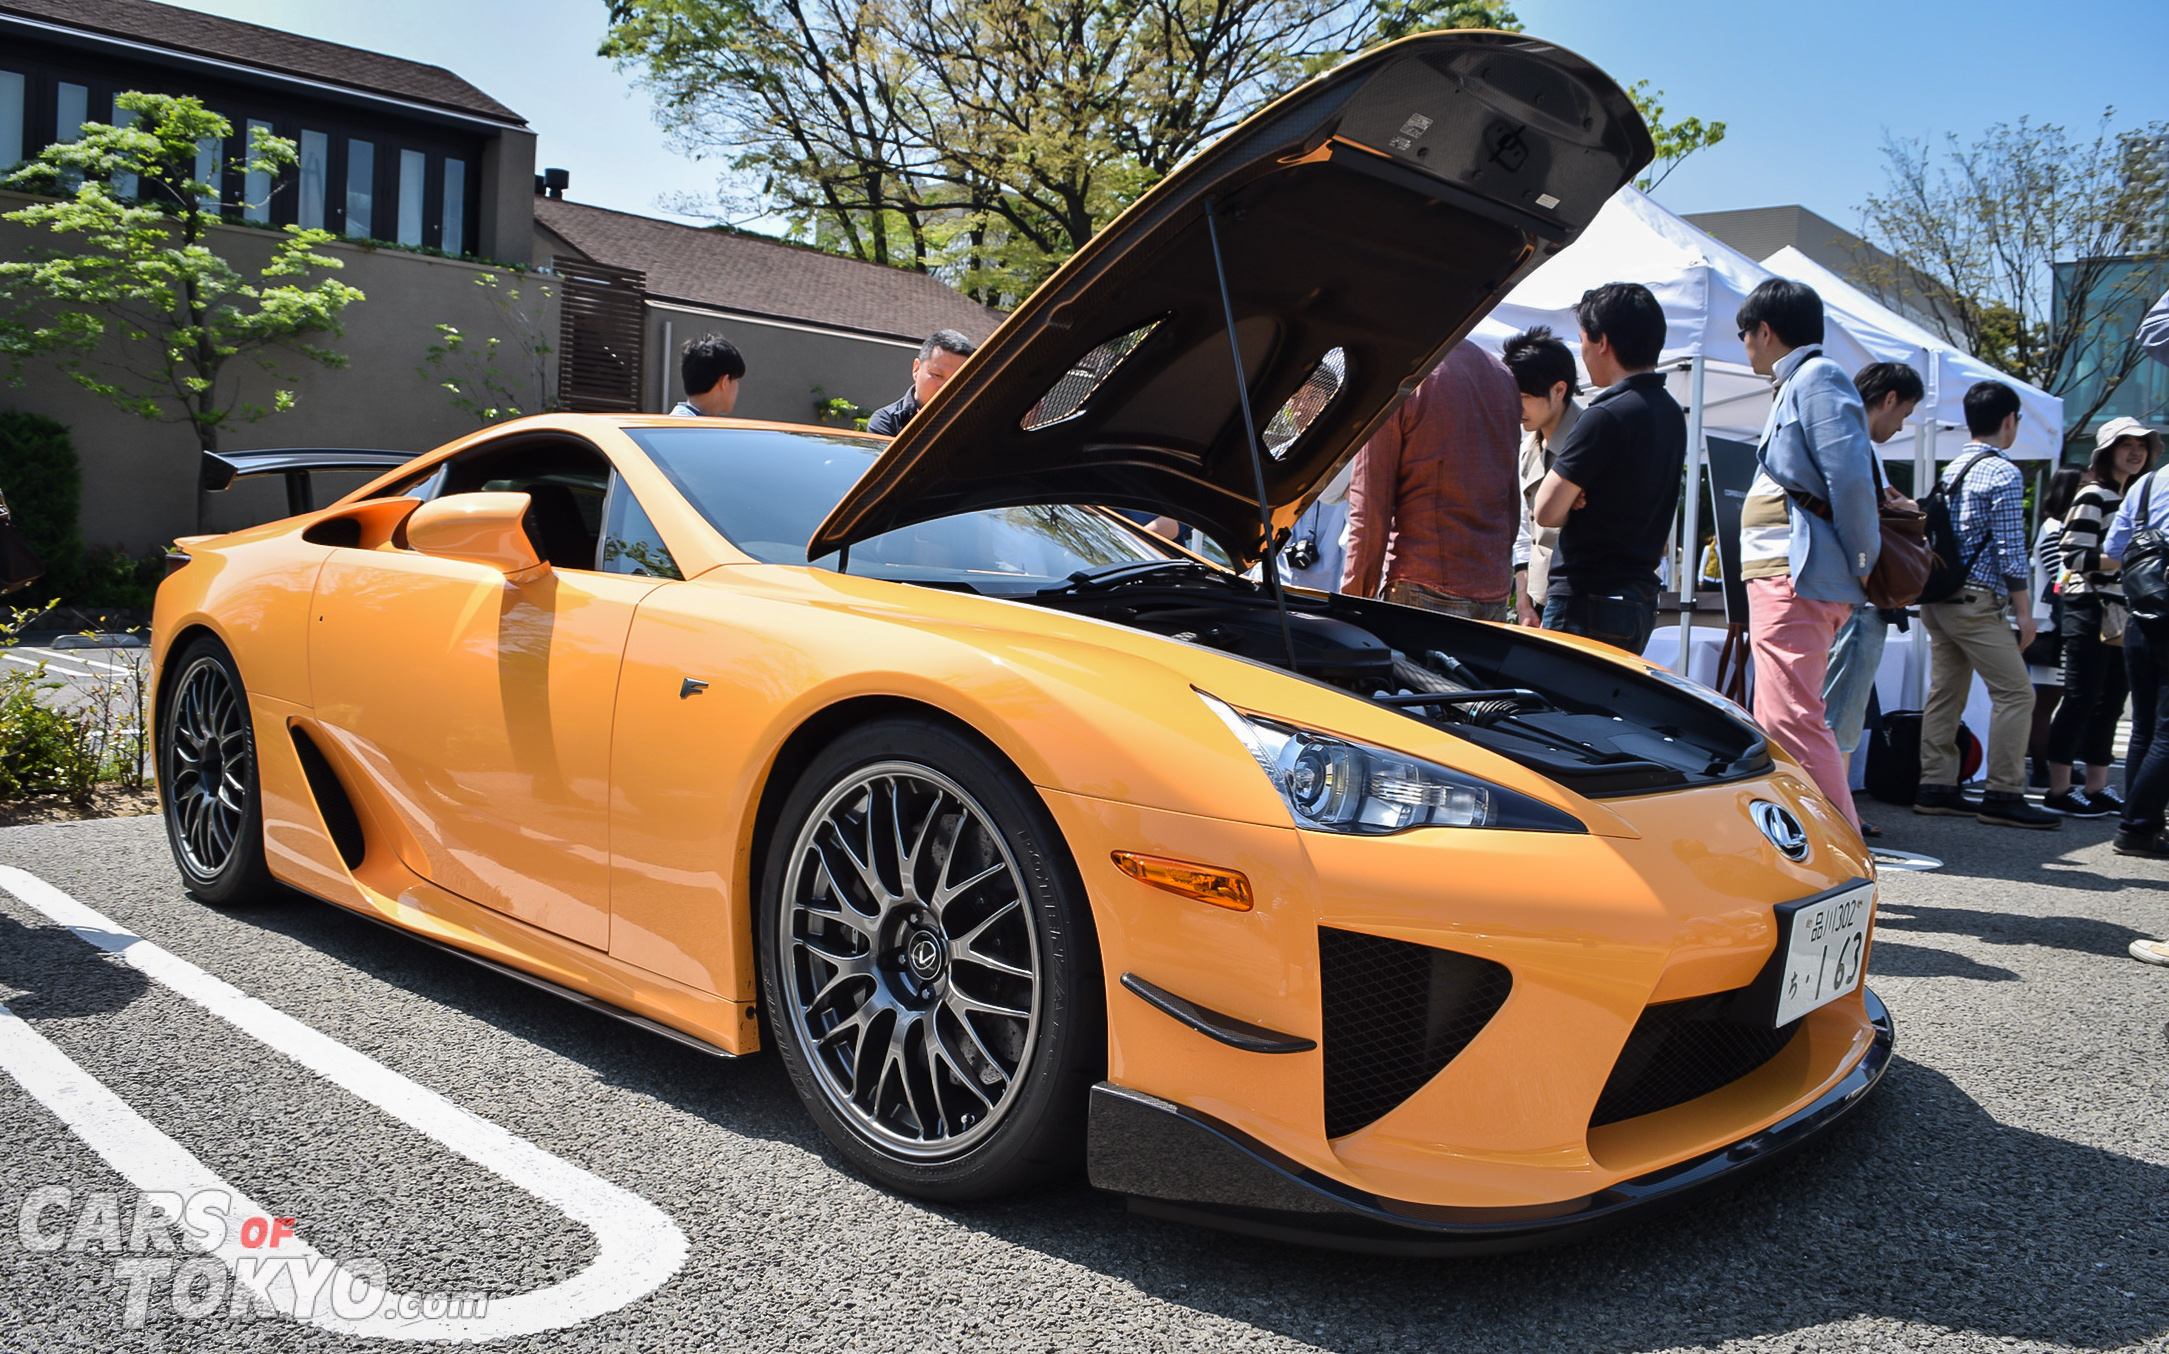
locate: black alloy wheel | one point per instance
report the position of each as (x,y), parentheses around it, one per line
(207,779)
(929,969)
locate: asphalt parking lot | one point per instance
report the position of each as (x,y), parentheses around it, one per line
(2007,1187)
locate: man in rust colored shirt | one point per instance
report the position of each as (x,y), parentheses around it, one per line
(1435,499)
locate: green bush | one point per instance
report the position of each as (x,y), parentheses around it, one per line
(109,580)
(43,484)
(41,749)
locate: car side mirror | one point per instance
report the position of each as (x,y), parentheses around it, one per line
(481,529)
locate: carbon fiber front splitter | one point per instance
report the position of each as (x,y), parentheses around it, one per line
(1179,1164)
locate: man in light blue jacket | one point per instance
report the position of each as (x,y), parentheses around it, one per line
(1808,529)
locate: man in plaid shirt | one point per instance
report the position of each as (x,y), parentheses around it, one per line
(1968,632)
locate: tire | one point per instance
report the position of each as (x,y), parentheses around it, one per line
(207,778)
(975,988)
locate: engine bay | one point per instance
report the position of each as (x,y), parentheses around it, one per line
(1593,726)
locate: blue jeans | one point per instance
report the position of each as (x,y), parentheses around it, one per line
(1623,616)
(2146,770)
(1854,657)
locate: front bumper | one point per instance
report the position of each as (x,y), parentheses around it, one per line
(1186,1166)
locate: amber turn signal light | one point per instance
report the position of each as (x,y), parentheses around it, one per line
(1222,888)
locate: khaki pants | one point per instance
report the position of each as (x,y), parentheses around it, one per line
(1966,635)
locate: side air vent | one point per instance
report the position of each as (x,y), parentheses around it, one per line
(1395,1015)
(331,801)
(1683,1049)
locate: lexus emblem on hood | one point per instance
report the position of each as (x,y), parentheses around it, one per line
(1779,825)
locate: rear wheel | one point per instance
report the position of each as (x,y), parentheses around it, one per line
(207,777)
(929,971)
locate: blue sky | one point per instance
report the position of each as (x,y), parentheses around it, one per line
(1808,90)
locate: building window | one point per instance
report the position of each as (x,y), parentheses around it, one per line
(315,152)
(361,172)
(11,117)
(256,184)
(123,185)
(210,157)
(455,207)
(72,111)
(413,176)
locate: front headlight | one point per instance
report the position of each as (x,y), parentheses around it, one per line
(1337,785)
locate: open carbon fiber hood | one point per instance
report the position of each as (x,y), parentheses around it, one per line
(1367,220)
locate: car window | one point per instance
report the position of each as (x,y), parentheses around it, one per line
(567,479)
(766,491)
(630,542)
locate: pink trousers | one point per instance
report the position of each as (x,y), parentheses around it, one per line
(1791,637)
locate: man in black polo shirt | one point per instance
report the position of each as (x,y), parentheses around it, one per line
(1614,484)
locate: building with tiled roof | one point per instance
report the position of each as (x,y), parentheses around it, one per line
(813,326)
(740,273)
(390,149)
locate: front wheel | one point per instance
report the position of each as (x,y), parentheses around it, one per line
(207,777)
(929,970)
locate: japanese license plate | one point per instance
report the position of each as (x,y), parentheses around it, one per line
(1826,943)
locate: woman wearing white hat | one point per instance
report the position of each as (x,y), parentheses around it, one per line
(2084,729)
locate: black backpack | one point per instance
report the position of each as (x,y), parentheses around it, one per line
(1893,770)
(2146,562)
(1948,576)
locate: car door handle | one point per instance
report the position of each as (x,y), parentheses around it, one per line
(691,686)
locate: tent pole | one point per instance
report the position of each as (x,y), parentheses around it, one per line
(1924,478)
(1690,553)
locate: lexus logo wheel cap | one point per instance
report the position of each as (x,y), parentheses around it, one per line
(1781,827)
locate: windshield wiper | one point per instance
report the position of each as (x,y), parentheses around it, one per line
(1130,571)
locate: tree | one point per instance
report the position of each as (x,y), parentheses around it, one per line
(477,375)
(987,140)
(2030,248)
(139,309)
(1675,141)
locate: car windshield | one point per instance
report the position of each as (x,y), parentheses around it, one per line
(767,490)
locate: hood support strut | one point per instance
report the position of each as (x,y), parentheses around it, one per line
(1271,552)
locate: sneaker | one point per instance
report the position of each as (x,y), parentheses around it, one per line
(2150,952)
(2074,804)
(1945,800)
(2106,800)
(2012,810)
(2154,845)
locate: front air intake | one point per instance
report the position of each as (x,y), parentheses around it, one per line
(1394,1015)
(1680,1050)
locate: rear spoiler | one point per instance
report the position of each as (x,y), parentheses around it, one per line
(222,468)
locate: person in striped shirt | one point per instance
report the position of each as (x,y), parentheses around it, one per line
(2084,729)
(1969,632)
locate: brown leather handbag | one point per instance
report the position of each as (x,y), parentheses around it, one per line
(1903,564)
(1902,568)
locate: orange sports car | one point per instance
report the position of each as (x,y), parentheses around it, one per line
(1026,838)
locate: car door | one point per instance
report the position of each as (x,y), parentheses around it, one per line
(481,707)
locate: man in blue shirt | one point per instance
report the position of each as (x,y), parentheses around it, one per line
(1808,528)
(710,369)
(1968,632)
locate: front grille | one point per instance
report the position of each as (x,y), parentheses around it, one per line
(1395,1015)
(1683,1049)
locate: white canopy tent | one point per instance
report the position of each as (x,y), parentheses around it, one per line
(1948,372)
(1701,282)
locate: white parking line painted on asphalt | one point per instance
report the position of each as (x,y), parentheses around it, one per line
(75,656)
(637,1246)
(50,665)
